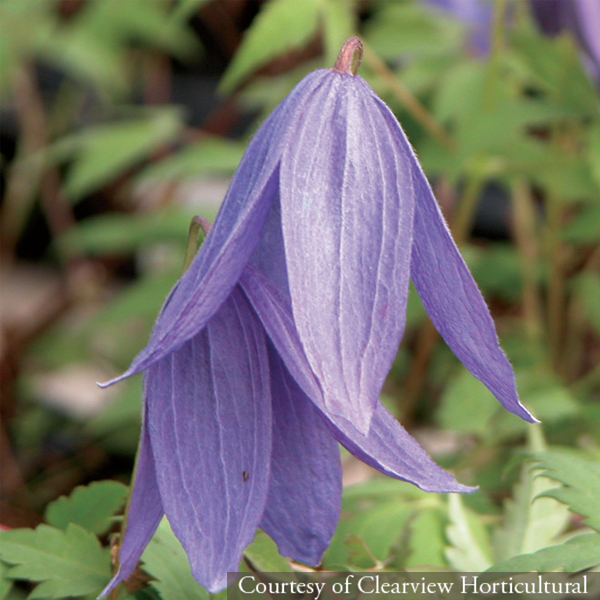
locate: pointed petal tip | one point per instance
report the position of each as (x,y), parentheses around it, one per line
(448,485)
(521,411)
(112,584)
(119,378)
(215,585)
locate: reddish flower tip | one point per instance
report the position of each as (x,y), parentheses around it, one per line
(348,60)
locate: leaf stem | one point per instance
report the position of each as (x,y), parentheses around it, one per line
(524,230)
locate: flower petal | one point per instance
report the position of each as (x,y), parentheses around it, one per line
(387,447)
(233,237)
(305,490)
(391,450)
(347,212)
(209,418)
(455,304)
(144,513)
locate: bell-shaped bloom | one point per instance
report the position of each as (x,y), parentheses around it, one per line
(274,345)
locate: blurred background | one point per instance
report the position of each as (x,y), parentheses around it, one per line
(122,119)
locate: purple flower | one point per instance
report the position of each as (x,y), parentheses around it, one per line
(275,343)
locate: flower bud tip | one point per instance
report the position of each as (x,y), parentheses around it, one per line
(348,60)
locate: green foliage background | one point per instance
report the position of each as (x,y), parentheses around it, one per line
(521,120)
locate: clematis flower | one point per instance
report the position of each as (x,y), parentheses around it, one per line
(274,345)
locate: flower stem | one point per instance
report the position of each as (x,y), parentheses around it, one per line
(407,99)
(524,229)
(350,57)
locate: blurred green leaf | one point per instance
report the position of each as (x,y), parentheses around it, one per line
(184,9)
(465,395)
(374,518)
(554,66)
(22,26)
(496,268)
(112,233)
(91,507)
(579,553)
(67,563)
(427,540)
(263,555)
(210,155)
(469,548)
(338,25)
(566,176)
(587,287)
(166,562)
(584,226)
(594,152)
(399,29)
(94,44)
(117,426)
(581,479)
(281,26)
(531,521)
(450,99)
(5,583)
(107,151)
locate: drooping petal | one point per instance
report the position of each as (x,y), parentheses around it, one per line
(144,512)
(209,419)
(391,450)
(387,447)
(347,211)
(454,303)
(233,237)
(305,490)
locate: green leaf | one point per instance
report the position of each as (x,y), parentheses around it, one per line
(581,478)
(281,26)
(67,563)
(583,227)
(532,521)
(117,426)
(92,507)
(5,583)
(263,555)
(470,548)
(166,561)
(338,26)
(465,395)
(22,26)
(95,43)
(184,9)
(427,540)
(211,155)
(587,287)
(120,234)
(578,553)
(594,152)
(406,28)
(107,151)
(374,517)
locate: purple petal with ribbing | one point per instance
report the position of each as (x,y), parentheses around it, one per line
(144,512)
(233,237)
(209,419)
(455,304)
(347,211)
(387,447)
(305,490)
